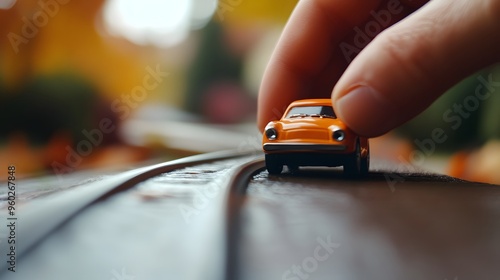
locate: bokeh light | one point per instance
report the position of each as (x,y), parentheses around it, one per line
(162,23)
(7,4)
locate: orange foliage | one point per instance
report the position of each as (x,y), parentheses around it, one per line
(37,39)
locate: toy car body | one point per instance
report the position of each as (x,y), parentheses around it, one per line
(310,134)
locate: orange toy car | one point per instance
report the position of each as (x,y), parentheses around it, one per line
(309,134)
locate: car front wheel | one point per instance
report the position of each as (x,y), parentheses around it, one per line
(353,166)
(273,166)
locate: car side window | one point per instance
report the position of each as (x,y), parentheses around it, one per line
(327,110)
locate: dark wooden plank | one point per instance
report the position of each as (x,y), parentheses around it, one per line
(415,226)
(44,215)
(423,227)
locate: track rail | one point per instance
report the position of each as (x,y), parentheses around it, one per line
(234,203)
(39,220)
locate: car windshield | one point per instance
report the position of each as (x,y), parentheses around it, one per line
(311,111)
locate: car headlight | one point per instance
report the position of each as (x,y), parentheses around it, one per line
(339,135)
(271,134)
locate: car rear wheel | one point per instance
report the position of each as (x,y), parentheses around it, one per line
(353,165)
(273,166)
(293,168)
(365,164)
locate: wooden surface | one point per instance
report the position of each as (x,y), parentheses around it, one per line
(391,225)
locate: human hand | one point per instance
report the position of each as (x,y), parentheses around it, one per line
(397,75)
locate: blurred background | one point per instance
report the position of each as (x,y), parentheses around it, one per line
(112,84)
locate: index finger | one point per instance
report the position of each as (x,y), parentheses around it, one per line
(307,53)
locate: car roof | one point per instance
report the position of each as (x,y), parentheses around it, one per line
(303,102)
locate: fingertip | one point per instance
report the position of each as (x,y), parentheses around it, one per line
(414,3)
(364,111)
(408,66)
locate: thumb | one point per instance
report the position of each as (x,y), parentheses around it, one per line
(409,65)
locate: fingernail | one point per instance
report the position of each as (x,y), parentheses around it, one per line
(363,110)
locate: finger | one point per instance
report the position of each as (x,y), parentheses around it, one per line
(305,48)
(409,65)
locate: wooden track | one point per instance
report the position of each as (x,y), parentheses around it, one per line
(223,217)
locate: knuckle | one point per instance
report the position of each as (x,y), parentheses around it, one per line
(412,51)
(494,6)
(413,48)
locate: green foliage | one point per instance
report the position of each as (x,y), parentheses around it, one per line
(46,105)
